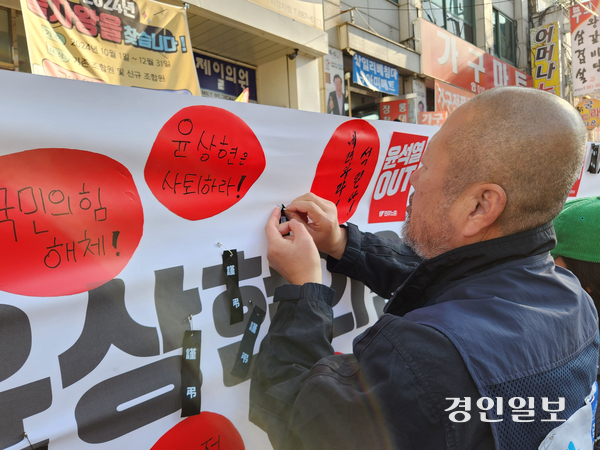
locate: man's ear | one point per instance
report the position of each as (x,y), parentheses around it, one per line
(485,203)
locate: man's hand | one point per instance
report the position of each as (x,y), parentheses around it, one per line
(323,225)
(295,257)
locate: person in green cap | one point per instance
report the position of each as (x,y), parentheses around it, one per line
(578,249)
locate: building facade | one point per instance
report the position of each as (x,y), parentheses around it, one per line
(354,57)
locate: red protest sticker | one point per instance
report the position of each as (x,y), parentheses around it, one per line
(204,431)
(203,161)
(347,165)
(390,196)
(70,220)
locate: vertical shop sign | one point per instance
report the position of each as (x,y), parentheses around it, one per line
(545,58)
(585,46)
(396,110)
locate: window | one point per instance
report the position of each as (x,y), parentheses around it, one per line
(13,45)
(504,38)
(456,16)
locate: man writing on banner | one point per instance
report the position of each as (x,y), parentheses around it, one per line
(485,343)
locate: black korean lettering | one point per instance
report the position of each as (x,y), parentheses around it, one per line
(107,323)
(15,340)
(174,306)
(27,200)
(19,403)
(103,413)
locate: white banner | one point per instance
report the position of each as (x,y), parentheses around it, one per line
(112,202)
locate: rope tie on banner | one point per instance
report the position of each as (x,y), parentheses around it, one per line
(27,437)
(221,245)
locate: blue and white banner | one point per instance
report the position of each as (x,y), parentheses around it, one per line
(375,75)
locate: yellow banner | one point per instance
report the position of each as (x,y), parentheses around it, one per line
(138,43)
(590,112)
(545,59)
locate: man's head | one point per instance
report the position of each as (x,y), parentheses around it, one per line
(503,162)
(337,80)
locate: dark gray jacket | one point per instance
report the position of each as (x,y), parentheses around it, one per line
(482,320)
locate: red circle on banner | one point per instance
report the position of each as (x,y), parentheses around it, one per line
(347,165)
(70,220)
(202,431)
(203,161)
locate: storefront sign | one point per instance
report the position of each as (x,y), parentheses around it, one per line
(375,75)
(448,98)
(545,58)
(435,118)
(585,38)
(455,61)
(590,112)
(138,43)
(396,110)
(223,79)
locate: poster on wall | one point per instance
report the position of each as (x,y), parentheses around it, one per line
(139,43)
(545,58)
(584,43)
(118,233)
(336,94)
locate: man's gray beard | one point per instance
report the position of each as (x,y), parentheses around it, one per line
(408,240)
(437,241)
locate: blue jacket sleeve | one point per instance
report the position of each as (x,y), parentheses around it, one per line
(300,335)
(381,264)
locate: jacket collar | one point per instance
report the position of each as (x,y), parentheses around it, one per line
(432,275)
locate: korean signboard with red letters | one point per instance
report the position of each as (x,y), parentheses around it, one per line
(545,58)
(395,110)
(138,43)
(448,98)
(448,58)
(585,48)
(435,118)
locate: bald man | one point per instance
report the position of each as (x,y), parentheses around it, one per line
(483,336)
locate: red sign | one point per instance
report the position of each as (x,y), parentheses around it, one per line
(448,97)
(390,196)
(347,165)
(398,109)
(433,118)
(449,58)
(71,221)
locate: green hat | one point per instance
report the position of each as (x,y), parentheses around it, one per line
(578,230)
